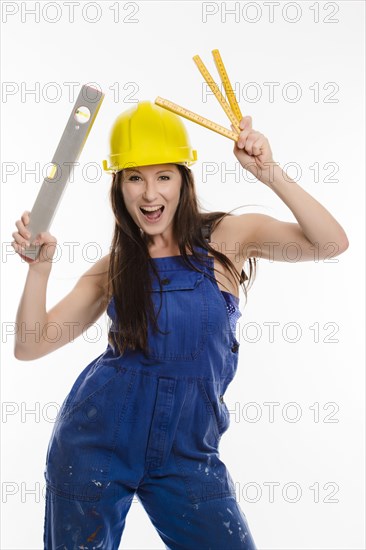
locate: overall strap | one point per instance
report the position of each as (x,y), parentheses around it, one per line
(206,232)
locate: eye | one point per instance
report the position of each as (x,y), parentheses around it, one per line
(131,178)
(168,177)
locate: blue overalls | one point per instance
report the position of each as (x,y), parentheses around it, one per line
(150,427)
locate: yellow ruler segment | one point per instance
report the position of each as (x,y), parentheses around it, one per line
(227,85)
(194,117)
(215,89)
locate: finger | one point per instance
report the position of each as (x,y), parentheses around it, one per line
(19,249)
(244,134)
(25,217)
(248,147)
(251,138)
(22,229)
(22,235)
(242,139)
(246,122)
(19,239)
(258,146)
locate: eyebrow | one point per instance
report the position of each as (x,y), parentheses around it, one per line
(128,170)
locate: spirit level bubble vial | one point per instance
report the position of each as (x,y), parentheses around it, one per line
(71,144)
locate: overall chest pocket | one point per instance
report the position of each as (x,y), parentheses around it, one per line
(183,316)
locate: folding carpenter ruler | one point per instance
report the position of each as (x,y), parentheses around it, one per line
(67,153)
(230,106)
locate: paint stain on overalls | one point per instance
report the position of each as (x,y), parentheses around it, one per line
(150,426)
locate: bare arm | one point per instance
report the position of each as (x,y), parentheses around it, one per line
(262,236)
(40,332)
(317,234)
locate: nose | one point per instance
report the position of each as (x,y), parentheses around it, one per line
(149,193)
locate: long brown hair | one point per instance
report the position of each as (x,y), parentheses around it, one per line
(128,274)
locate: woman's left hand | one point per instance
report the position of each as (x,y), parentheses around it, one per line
(253,151)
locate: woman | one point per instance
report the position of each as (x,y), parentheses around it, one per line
(146,416)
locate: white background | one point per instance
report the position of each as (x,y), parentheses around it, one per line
(148,52)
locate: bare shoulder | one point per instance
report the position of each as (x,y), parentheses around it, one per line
(230,224)
(234,234)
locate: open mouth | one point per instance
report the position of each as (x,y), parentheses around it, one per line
(152,216)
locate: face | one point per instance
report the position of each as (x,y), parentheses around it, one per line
(151,194)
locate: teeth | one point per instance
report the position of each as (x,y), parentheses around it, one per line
(150,208)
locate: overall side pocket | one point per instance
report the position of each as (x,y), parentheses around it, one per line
(83,440)
(216,407)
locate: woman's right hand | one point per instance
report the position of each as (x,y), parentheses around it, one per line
(46,240)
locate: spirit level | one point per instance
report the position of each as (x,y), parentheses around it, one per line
(67,153)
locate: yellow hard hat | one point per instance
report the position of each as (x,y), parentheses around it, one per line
(148,134)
